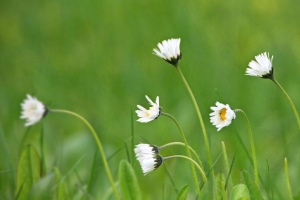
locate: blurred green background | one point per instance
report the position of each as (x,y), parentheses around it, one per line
(95,58)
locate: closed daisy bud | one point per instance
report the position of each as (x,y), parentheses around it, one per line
(169,51)
(262,67)
(221,116)
(151,114)
(148,157)
(32,110)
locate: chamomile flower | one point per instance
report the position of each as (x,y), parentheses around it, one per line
(32,110)
(151,114)
(221,116)
(262,67)
(169,51)
(148,157)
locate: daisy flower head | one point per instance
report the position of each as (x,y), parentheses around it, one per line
(221,116)
(32,110)
(151,114)
(169,51)
(148,157)
(262,67)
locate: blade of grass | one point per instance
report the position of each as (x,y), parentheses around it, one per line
(69,172)
(127,152)
(28,171)
(287,179)
(43,163)
(171,179)
(230,169)
(271,197)
(61,192)
(210,170)
(132,139)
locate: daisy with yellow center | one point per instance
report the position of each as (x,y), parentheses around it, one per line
(222,115)
(151,114)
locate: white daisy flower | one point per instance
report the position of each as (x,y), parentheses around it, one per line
(32,110)
(148,157)
(151,114)
(262,67)
(169,51)
(222,115)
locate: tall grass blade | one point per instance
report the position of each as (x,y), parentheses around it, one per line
(230,169)
(171,179)
(69,172)
(220,187)
(60,192)
(239,192)
(128,182)
(252,186)
(183,193)
(271,197)
(28,171)
(132,139)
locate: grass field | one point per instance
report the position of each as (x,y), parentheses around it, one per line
(95,58)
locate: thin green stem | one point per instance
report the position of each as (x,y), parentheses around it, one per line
(187,151)
(290,101)
(194,162)
(183,144)
(226,163)
(43,163)
(206,141)
(252,146)
(99,147)
(287,179)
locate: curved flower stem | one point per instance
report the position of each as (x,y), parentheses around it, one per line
(187,151)
(207,146)
(99,147)
(252,145)
(194,162)
(287,179)
(182,144)
(290,101)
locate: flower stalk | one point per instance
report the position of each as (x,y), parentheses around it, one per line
(104,159)
(187,150)
(206,141)
(193,162)
(252,146)
(289,99)
(183,144)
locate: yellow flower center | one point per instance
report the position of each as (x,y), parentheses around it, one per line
(151,108)
(223,113)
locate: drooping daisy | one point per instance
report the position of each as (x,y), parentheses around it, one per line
(222,115)
(262,67)
(148,157)
(169,51)
(151,114)
(32,110)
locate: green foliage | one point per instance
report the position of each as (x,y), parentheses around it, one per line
(94,57)
(128,182)
(29,169)
(253,188)
(239,192)
(182,193)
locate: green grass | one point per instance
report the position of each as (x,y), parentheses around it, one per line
(95,58)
